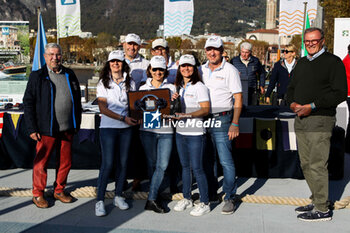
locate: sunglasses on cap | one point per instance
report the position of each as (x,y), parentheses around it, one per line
(160,69)
(287,51)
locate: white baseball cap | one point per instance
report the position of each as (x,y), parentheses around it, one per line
(187,59)
(116,54)
(214,41)
(158,62)
(159,42)
(132,37)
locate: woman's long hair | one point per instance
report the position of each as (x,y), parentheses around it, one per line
(106,72)
(195,77)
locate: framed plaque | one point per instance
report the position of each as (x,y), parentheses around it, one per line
(148,101)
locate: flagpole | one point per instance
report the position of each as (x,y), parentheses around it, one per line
(302,33)
(38,31)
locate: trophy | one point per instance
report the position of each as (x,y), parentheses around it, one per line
(149,101)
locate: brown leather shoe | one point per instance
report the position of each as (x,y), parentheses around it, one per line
(40,202)
(63,197)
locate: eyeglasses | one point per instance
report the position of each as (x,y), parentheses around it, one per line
(287,51)
(54,54)
(160,69)
(313,42)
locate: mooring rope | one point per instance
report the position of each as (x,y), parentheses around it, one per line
(90,192)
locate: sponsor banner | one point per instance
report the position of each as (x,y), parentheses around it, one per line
(291,16)
(68,18)
(178,17)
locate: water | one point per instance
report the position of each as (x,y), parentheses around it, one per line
(83,75)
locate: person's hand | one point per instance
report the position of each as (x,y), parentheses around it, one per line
(303,110)
(262,90)
(293,106)
(174,96)
(267,100)
(233,132)
(130,121)
(35,136)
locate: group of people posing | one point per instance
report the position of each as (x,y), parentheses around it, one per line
(212,90)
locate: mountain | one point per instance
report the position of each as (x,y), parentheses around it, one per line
(142,17)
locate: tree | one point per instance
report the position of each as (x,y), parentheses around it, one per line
(200,44)
(174,42)
(333,9)
(186,44)
(296,41)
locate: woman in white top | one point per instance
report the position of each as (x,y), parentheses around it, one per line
(115,127)
(190,138)
(157,143)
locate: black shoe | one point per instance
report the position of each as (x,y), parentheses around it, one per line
(304,209)
(316,216)
(152,205)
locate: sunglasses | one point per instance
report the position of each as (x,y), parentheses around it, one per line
(114,60)
(160,69)
(287,51)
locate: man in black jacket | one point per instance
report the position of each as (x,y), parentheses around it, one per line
(317,86)
(52,111)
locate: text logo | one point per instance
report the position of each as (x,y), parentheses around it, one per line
(151,120)
(5,31)
(68,2)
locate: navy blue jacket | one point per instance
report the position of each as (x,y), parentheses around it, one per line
(250,72)
(281,76)
(38,102)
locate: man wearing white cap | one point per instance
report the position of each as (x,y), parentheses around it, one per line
(225,90)
(160,48)
(137,64)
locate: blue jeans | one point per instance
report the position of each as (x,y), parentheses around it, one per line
(115,145)
(157,148)
(223,146)
(190,149)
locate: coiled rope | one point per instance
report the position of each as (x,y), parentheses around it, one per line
(90,192)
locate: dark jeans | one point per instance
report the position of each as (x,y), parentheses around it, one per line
(157,148)
(115,145)
(190,149)
(223,146)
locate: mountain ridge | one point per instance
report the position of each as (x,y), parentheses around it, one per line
(119,17)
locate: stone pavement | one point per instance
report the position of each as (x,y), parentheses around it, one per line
(18,214)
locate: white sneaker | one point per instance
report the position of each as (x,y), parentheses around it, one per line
(183,204)
(200,209)
(100,209)
(119,201)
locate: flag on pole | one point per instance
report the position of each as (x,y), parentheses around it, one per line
(38,60)
(178,17)
(292,16)
(68,18)
(307,25)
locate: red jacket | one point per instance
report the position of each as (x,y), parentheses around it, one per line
(346,62)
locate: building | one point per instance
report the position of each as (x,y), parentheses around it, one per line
(271,6)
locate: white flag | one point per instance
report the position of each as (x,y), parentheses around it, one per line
(68,18)
(178,17)
(292,16)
